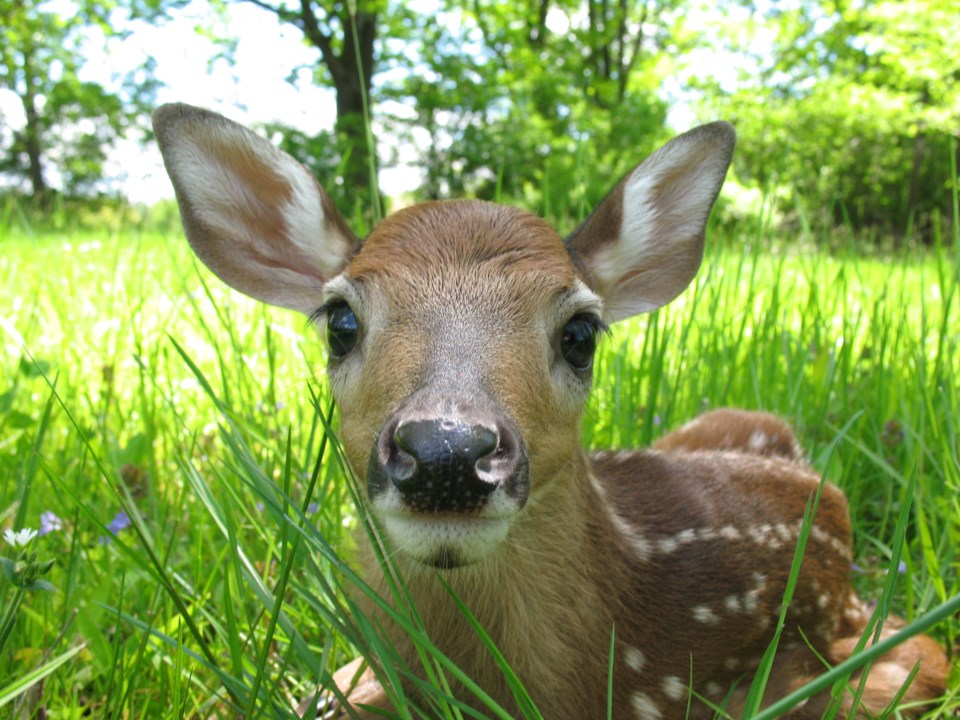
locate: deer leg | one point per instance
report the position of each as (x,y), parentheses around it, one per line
(357,682)
(796,666)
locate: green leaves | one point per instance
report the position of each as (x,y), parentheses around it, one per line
(69,123)
(852,106)
(536,102)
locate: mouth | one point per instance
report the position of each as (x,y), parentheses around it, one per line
(445,542)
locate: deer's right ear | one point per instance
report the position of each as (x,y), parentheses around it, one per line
(643,244)
(254,215)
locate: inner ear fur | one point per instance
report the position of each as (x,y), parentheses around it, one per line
(254,215)
(644,243)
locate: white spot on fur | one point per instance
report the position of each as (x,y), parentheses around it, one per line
(639,544)
(705,615)
(713,688)
(729,532)
(837,545)
(763,535)
(674,688)
(687,536)
(823,600)
(633,537)
(667,545)
(644,707)
(731,663)
(634,658)
(751,599)
(707,534)
(733,603)
(758,441)
(855,612)
(783,532)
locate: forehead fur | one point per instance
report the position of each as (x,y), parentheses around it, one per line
(463,240)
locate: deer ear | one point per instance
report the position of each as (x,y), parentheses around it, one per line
(644,243)
(254,215)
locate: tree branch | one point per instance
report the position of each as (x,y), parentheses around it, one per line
(321,40)
(280,12)
(488,36)
(627,65)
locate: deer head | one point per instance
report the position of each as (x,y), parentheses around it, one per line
(461,334)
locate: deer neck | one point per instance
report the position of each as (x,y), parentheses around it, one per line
(544,594)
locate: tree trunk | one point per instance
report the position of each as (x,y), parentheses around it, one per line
(919,142)
(33,131)
(31,135)
(351,81)
(352,72)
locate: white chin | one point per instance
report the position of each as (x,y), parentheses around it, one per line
(446,542)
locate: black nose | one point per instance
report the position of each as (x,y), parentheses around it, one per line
(445,464)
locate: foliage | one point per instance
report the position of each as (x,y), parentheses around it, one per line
(849,105)
(472,88)
(847,112)
(69,123)
(163,433)
(347,36)
(564,86)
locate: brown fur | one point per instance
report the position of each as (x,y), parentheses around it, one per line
(649,603)
(728,429)
(568,576)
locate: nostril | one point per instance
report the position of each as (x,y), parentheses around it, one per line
(406,439)
(481,442)
(403,466)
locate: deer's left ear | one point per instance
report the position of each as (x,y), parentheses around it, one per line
(644,243)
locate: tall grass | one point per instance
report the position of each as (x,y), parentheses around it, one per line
(178,434)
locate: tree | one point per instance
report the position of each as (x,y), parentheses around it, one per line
(540,100)
(69,122)
(345,33)
(853,107)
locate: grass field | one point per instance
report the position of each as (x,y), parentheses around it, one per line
(163,434)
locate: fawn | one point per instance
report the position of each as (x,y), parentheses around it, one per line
(461,339)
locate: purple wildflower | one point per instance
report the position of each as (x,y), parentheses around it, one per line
(49,522)
(121,521)
(312,508)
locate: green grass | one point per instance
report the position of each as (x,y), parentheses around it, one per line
(132,381)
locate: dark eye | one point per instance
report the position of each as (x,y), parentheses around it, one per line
(578,341)
(342,329)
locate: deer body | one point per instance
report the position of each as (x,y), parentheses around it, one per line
(461,339)
(660,547)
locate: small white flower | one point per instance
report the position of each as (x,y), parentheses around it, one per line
(19,538)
